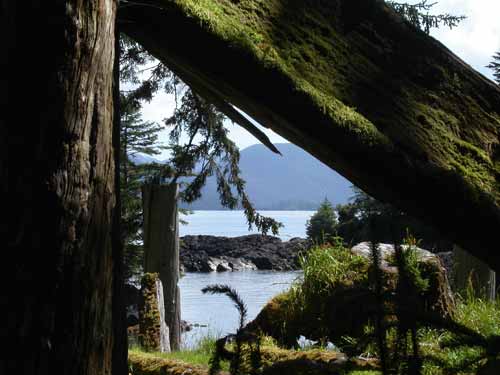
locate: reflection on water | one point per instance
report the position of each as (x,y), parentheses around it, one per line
(215,314)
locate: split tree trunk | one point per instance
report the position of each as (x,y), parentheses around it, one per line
(57,182)
(161,249)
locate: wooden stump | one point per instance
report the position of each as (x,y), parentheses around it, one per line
(161,249)
(153,331)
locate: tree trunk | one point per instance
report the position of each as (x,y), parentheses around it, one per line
(468,271)
(161,249)
(120,337)
(57,172)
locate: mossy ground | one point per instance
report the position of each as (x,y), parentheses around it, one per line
(144,363)
(274,360)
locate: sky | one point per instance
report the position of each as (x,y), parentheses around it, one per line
(475,41)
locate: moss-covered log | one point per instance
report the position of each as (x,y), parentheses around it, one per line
(150,364)
(387,106)
(274,361)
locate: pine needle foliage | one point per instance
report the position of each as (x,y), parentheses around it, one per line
(495,65)
(418,15)
(136,136)
(233,296)
(208,151)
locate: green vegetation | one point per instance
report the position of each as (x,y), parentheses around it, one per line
(443,347)
(142,363)
(149,329)
(199,355)
(317,306)
(136,136)
(447,346)
(418,15)
(495,66)
(321,226)
(365,219)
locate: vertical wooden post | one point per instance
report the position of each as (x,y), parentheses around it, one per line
(161,249)
(467,266)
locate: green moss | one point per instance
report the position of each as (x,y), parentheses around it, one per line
(305,43)
(141,363)
(274,360)
(298,49)
(149,315)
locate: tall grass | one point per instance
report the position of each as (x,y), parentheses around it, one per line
(327,266)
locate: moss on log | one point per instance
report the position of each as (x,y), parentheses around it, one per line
(387,106)
(274,361)
(150,364)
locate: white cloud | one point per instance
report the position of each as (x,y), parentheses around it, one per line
(477,38)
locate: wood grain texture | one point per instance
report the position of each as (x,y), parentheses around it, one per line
(59,186)
(161,249)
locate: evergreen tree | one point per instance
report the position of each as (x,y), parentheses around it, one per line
(321,227)
(136,136)
(495,65)
(366,218)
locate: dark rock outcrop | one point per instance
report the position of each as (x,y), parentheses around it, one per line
(210,253)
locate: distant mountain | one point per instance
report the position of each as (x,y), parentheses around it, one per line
(294,181)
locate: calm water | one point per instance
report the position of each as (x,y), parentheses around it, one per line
(216,313)
(233,223)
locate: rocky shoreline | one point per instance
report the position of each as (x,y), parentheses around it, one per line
(203,253)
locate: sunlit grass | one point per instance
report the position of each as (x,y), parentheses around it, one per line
(200,354)
(477,314)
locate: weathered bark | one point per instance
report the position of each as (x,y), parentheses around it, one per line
(384,104)
(161,249)
(120,337)
(468,271)
(57,173)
